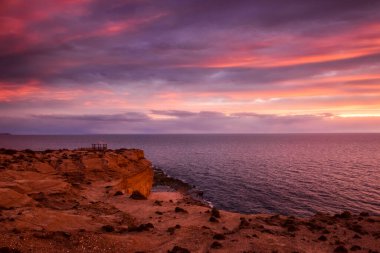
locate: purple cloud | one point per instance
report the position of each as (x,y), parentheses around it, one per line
(199,62)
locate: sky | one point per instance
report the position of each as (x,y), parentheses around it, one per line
(189,66)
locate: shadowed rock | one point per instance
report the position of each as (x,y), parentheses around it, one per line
(355,248)
(108,228)
(177,249)
(118,193)
(215,212)
(244,223)
(180,210)
(344,215)
(9,250)
(137,196)
(340,249)
(219,237)
(213,219)
(141,228)
(216,245)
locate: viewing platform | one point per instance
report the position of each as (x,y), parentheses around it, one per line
(99,146)
(96,147)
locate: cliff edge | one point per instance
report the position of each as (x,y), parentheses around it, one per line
(26,173)
(101,201)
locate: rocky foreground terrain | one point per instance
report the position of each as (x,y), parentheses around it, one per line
(101,201)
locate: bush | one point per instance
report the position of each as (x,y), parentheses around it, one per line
(8,151)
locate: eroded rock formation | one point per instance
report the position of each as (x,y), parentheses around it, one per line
(27,177)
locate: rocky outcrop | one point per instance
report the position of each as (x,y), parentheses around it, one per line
(139,175)
(78,201)
(52,200)
(59,172)
(139,182)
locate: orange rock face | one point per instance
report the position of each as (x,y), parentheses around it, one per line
(136,172)
(55,172)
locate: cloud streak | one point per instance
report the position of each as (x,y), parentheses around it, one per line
(186,122)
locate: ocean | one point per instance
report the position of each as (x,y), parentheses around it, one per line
(290,174)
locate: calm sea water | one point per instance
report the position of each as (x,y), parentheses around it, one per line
(294,174)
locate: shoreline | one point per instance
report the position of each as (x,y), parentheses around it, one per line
(92,201)
(161,178)
(189,192)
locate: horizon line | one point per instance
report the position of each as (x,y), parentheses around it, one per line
(285,133)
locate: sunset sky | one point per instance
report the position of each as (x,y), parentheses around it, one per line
(189,66)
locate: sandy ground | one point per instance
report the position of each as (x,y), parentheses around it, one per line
(48,212)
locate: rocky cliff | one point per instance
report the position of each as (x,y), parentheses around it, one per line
(24,174)
(79,201)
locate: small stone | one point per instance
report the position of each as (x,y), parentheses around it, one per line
(147,226)
(158,203)
(171,230)
(219,237)
(243,223)
(159,213)
(345,215)
(268,231)
(141,228)
(325,231)
(118,193)
(137,196)
(292,228)
(322,238)
(357,228)
(216,245)
(180,210)
(62,234)
(108,228)
(340,249)
(213,219)
(177,249)
(355,248)
(16,231)
(215,212)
